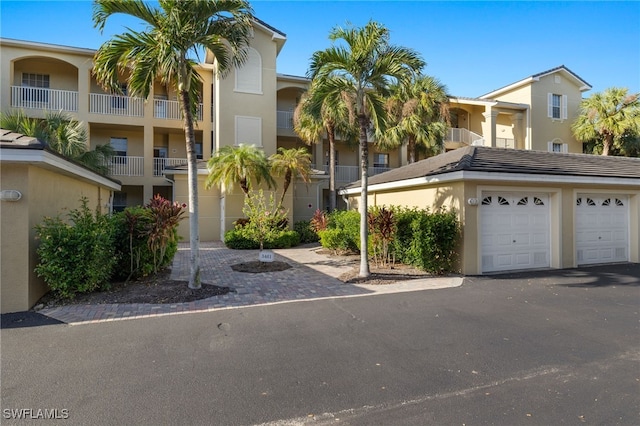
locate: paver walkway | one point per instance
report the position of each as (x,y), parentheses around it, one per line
(311,276)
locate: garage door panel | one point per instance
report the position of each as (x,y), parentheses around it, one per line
(602,229)
(514,231)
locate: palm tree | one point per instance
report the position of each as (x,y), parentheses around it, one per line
(420,114)
(288,162)
(332,115)
(242,164)
(608,116)
(63,135)
(174,31)
(362,68)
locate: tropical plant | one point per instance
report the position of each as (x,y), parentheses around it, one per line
(382,226)
(419,115)
(361,69)
(290,162)
(606,117)
(62,134)
(174,31)
(333,115)
(240,164)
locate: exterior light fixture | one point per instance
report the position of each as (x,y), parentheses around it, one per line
(10,195)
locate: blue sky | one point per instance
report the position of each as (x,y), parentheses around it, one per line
(472,47)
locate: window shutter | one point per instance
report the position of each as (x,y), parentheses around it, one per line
(249,75)
(549,105)
(550,146)
(249,130)
(564,107)
(565,147)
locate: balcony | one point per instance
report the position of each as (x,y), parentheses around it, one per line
(116,105)
(285,119)
(49,99)
(125,165)
(170,110)
(160,164)
(464,136)
(347,174)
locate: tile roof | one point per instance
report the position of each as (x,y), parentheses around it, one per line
(9,139)
(486,159)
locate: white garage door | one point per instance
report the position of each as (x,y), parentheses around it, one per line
(514,229)
(602,229)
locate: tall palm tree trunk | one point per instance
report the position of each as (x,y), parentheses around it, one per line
(192,168)
(287,181)
(364,173)
(332,168)
(411,149)
(607,143)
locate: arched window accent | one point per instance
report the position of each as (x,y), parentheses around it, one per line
(606,202)
(523,201)
(486,201)
(249,75)
(579,202)
(619,202)
(537,201)
(503,201)
(590,202)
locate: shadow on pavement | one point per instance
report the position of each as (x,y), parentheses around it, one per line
(622,274)
(26,319)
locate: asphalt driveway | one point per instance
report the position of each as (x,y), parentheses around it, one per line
(552,347)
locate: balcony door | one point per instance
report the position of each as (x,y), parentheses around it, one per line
(160,155)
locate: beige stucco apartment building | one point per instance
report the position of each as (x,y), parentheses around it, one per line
(254,105)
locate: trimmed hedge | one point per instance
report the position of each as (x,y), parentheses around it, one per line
(240,239)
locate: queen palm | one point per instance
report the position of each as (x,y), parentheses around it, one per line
(332,115)
(290,162)
(174,31)
(362,66)
(242,165)
(419,113)
(608,116)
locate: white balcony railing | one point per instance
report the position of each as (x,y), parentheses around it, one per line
(170,110)
(345,174)
(116,105)
(38,98)
(464,136)
(505,143)
(160,164)
(125,165)
(285,119)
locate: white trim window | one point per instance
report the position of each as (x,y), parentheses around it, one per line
(557,106)
(381,160)
(557,146)
(39,83)
(119,145)
(248,130)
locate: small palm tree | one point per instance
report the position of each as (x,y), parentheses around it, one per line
(175,31)
(605,118)
(63,135)
(241,164)
(362,69)
(290,162)
(333,115)
(419,114)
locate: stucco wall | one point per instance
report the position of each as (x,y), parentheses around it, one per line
(45,193)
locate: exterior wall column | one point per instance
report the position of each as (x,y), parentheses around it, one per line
(518,130)
(318,154)
(147,191)
(489,126)
(84,89)
(402,152)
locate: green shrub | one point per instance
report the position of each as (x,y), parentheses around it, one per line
(147,237)
(335,239)
(243,239)
(79,256)
(427,240)
(348,221)
(307,234)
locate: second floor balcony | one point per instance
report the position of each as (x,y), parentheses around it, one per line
(45,99)
(128,165)
(171,110)
(347,174)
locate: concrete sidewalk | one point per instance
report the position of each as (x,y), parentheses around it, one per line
(312,276)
